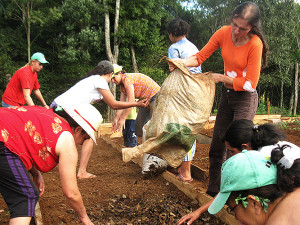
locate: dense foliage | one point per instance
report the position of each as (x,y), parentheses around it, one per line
(71,35)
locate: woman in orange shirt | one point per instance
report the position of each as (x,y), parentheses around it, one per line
(244,49)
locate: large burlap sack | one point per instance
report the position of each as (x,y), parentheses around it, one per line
(182,108)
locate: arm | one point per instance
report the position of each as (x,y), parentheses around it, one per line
(130,98)
(115,126)
(250,81)
(195,214)
(27,97)
(39,96)
(222,78)
(110,100)
(121,115)
(67,153)
(173,53)
(38,180)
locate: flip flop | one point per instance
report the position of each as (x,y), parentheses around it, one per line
(179,175)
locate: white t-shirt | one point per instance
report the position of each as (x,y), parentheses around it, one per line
(85,91)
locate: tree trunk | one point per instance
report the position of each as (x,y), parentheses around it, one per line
(291,103)
(281,94)
(112,57)
(28,30)
(296,88)
(134,63)
(116,28)
(107,32)
(25,18)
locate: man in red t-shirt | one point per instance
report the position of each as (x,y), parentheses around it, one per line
(23,82)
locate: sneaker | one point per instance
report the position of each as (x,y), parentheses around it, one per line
(153,165)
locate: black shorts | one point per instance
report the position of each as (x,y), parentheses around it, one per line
(16,185)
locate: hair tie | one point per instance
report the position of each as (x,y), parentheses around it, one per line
(290,155)
(58,108)
(255,128)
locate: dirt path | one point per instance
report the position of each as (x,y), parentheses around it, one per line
(119,195)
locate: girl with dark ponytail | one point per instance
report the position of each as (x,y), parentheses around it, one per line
(269,141)
(287,159)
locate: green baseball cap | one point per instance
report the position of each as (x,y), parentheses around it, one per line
(39,57)
(243,171)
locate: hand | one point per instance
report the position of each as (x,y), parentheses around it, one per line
(121,124)
(172,67)
(114,125)
(191,217)
(46,106)
(218,77)
(143,103)
(38,180)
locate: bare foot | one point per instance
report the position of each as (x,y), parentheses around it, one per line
(85,175)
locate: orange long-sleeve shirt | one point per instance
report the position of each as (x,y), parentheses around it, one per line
(242,63)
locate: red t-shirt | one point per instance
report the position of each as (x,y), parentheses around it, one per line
(31,132)
(23,78)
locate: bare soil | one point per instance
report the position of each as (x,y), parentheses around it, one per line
(120,195)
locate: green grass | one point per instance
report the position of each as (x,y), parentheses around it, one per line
(291,125)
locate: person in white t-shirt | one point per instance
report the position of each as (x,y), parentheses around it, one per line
(93,88)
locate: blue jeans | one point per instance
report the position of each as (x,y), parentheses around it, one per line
(130,139)
(6,105)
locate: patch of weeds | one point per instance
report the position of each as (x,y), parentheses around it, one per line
(291,125)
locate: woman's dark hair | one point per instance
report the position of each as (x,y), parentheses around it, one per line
(178,27)
(97,70)
(287,179)
(271,192)
(239,132)
(266,134)
(103,67)
(61,112)
(250,12)
(243,131)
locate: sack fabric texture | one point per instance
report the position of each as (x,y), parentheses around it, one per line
(182,108)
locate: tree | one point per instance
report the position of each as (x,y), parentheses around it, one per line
(280,34)
(112,56)
(31,13)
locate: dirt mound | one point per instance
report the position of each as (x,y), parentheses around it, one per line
(119,194)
